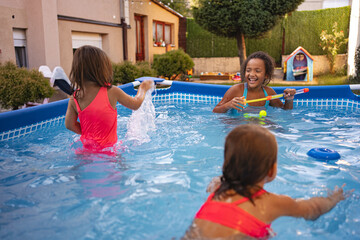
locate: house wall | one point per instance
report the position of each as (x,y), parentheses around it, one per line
(106,11)
(111,41)
(102,11)
(12,15)
(148,10)
(42,33)
(49,34)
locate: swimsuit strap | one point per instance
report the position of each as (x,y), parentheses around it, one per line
(76,102)
(245,199)
(258,193)
(246,91)
(267,101)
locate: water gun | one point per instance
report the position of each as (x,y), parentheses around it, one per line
(268,98)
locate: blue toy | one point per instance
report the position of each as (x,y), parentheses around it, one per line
(323,154)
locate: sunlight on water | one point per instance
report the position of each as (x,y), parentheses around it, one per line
(153,187)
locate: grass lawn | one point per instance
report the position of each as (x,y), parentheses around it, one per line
(330,79)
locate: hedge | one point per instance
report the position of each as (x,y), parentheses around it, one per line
(302,28)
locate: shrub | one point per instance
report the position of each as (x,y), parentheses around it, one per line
(19,86)
(172,63)
(126,72)
(145,69)
(331,43)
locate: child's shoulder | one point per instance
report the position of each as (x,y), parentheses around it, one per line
(276,201)
(269,90)
(238,86)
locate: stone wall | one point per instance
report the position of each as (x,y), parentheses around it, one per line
(219,64)
(232,64)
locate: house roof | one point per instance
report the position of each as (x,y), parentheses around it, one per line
(297,50)
(167,8)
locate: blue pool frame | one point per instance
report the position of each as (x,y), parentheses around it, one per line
(14,124)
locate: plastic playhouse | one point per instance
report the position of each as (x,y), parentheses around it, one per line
(299,66)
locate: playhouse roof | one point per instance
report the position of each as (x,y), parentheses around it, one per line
(297,50)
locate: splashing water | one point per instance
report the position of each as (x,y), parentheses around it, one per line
(142,121)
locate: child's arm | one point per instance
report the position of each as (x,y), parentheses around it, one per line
(132,103)
(230,100)
(71,117)
(288,96)
(312,208)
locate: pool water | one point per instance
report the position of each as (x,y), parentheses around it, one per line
(152,189)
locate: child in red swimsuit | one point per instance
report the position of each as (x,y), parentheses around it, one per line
(94,101)
(240,207)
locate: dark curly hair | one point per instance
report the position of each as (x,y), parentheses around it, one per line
(269,65)
(250,153)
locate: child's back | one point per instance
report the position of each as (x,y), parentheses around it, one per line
(94,101)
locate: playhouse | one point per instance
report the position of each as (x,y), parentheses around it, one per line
(299,66)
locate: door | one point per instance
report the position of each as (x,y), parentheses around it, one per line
(139,23)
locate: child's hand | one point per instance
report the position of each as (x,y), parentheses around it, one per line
(238,103)
(338,194)
(147,84)
(214,184)
(289,93)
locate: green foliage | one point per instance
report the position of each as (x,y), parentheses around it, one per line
(19,86)
(172,63)
(242,18)
(126,71)
(331,43)
(144,69)
(251,18)
(179,6)
(301,29)
(202,43)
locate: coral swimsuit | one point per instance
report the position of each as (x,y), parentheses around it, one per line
(98,122)
(230,215)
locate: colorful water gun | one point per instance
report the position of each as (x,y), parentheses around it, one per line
(304,90)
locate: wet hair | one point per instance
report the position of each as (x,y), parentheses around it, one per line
(250,153)
(269,65)
(90,64)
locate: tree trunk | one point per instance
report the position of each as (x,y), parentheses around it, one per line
(241,47)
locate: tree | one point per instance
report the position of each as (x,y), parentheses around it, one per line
(181,6)
(242,18)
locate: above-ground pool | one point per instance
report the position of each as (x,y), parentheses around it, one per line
(152,189)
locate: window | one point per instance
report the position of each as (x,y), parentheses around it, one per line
(161,33)
(81,38)
(20,47)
